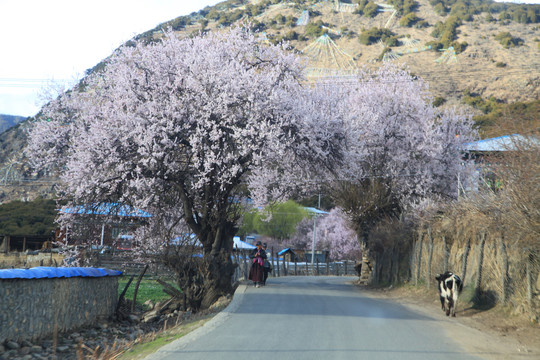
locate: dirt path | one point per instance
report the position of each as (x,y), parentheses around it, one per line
(490,334)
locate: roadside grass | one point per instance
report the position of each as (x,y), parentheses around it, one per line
(149,289)
(153,342)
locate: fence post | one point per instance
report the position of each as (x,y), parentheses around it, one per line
(273,265)
(345,268)
(445,253)
(529,279)
(478,285)
(277,260)
(295,270)
(419,259)
(244,262)
(465,259)
(504,270)
(430,257)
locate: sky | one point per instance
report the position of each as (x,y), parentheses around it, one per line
(56,41)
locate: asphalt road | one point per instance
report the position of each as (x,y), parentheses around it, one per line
(314,318)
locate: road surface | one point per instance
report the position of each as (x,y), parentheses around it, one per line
(315,318)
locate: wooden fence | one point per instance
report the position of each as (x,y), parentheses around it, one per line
(279,266)
(295,268)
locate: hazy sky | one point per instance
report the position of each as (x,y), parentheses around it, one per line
(57,40)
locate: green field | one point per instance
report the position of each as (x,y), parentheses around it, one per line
(149,289)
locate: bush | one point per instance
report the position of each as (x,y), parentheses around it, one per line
(370,10)
(409,20)
(435,45)
(438,101)
(314,30)
(421,24)
(507,40)
(476,101)
(373,35)
(500,64)
(446,32)
(440,9)
(459,47)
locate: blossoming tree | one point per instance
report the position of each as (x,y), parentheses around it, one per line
(176,128)
(401,149)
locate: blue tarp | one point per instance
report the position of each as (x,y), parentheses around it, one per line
(239,244)
(42,272)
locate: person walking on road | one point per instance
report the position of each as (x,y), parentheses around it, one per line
(256,273)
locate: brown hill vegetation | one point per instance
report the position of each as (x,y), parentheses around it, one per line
(493,70)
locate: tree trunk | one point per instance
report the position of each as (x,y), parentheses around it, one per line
(365,271)
(465,260)
(203,279)
(504,269)
(217,280)
(478,285)
(392,266)
(430,257)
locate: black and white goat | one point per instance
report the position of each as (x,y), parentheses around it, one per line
(450,285)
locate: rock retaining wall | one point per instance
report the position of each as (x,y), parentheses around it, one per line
(30,308)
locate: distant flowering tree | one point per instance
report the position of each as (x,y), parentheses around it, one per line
(335,235)
(178,127)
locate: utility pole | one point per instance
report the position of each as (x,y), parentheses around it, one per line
(314,237)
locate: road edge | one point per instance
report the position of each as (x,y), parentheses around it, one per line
(216,321)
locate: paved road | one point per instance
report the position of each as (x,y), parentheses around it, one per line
(314,318)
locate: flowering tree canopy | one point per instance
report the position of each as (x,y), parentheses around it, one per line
(333,233)
(401,149)
(176,127)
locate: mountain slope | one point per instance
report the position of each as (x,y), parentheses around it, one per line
(7,121)
(495,61)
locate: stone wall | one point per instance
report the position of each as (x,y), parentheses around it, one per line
(30,308)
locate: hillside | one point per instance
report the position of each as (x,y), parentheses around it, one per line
(474,53)
(496,46)
(7,121)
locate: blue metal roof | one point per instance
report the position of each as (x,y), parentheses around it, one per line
(42,272)
(315,211)
(114,209)
(501,143)
(239,244)
(284,251)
